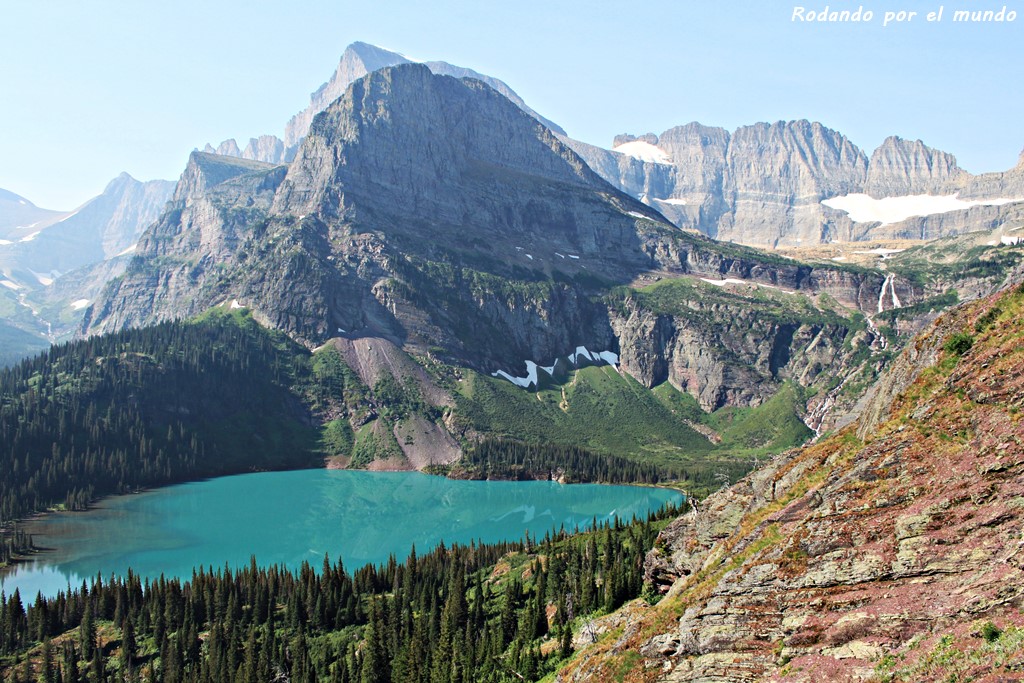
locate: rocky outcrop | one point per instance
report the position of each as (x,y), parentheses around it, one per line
(738,358)
(831,557)
(266,148)
(901,167)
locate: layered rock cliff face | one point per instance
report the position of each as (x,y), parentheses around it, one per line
(778,174)
(876,554)
(432,212)
(901,167)
(764,185)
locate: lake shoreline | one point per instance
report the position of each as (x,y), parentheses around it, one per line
(286,517)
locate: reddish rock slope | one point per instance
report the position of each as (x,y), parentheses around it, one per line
(896,555)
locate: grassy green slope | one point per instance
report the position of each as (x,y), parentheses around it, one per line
(608,412)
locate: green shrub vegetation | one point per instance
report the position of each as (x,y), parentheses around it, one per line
(959,343)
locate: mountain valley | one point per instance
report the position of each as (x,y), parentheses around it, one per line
(819,347)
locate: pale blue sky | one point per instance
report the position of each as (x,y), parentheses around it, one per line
(90,88)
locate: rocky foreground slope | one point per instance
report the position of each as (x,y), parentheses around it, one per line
(889,552)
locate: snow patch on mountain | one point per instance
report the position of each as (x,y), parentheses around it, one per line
(580,354)
(644,151)
(862,208)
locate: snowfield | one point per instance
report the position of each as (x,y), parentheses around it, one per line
(644,151)
(862,208)
(581,353)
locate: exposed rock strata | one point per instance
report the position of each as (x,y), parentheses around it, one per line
(763,184)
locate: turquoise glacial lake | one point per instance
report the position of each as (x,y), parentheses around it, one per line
(289,517)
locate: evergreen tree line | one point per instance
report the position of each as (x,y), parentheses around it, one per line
(147,407)
(518,460)
(476,613)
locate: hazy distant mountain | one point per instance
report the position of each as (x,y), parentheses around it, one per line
(99,229)
(19,217)
(52,263)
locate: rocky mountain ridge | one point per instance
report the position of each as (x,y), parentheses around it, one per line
(855,558)
(358,60)
(771,185)
(762,185)
(431,212)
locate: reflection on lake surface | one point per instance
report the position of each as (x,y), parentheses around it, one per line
(290,517)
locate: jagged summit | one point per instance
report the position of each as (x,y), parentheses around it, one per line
(358,60)
(374,57)
(404,136)
(772,184)
(904,167)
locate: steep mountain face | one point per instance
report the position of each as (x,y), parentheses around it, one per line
(406,170)
(205,219)
(358,60)
(879,552)
(799,183)
(778,175)
(765,185)
(435,214)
